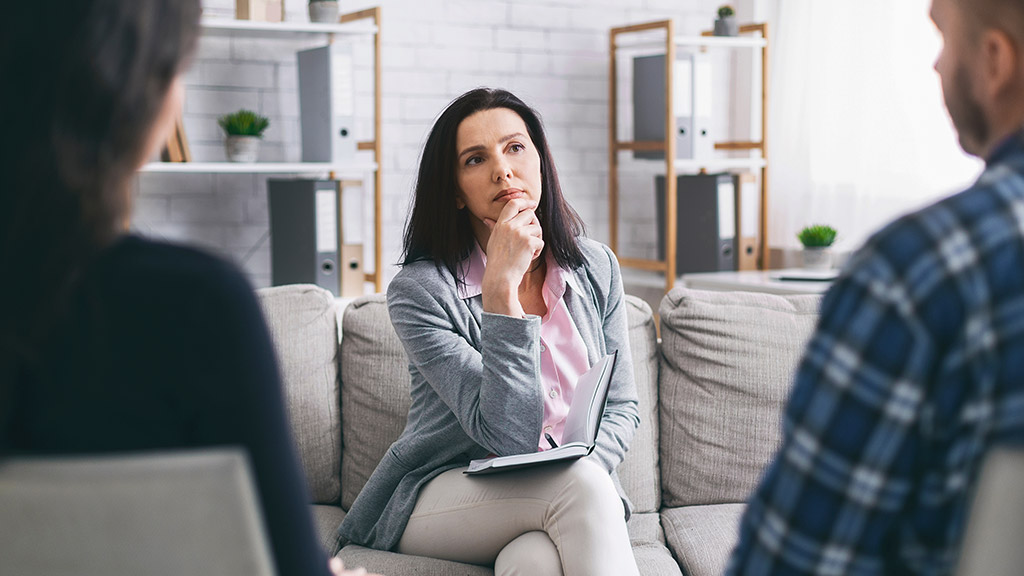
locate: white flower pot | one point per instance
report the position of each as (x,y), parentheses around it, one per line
(324,11)
(818,258)
(242,148)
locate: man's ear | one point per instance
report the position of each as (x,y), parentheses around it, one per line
(1001,63)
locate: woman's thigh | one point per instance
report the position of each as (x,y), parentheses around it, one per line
(472,518)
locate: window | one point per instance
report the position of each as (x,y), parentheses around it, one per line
(859,131)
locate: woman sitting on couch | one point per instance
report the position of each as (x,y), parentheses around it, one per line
(110,342)
(501,305)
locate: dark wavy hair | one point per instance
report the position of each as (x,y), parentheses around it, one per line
(83,84)
(438,231)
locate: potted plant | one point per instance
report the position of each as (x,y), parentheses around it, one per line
(725,24)
(244,131)
(817,242)
(325,11)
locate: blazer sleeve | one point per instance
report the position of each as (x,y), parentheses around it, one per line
(621,415)
(494,392)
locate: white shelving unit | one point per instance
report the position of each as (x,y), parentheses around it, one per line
(351,27)
(695,42)
(713,164)
(638,39)
(251,28)
(317,168)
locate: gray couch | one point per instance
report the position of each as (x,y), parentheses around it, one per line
(711,394)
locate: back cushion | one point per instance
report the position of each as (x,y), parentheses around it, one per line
(303,323)
(727,365)
(374,391)
(639,471)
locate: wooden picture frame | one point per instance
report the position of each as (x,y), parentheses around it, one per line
(176,149)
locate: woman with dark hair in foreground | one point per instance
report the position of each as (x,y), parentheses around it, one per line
(501,305)
(110,342)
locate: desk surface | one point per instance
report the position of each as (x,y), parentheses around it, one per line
(756,281)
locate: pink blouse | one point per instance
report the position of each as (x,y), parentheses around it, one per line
(563,353)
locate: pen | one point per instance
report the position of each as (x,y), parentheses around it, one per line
(550,440)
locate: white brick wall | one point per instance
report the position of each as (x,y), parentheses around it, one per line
(553,54)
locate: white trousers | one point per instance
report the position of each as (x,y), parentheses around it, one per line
(558,519)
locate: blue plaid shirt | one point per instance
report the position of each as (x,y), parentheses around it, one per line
(915,370)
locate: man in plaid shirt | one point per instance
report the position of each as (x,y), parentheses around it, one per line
(916,368)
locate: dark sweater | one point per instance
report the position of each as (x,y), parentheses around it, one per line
(164,347)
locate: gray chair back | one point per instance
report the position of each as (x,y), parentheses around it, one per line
(992,542)
(154,514)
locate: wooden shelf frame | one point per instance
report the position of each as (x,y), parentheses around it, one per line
(668,146)
(374,15)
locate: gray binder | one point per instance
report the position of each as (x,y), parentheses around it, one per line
(304,233)
(327,103)
(705,222)
(692,105)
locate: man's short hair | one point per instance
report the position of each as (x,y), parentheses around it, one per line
(1005,15)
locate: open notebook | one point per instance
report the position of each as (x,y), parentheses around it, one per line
(581,424)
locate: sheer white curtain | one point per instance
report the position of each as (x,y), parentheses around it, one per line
(859,133)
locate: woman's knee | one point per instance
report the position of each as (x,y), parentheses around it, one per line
(532,554)
(589,486)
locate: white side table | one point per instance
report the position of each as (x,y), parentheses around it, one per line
(789,281)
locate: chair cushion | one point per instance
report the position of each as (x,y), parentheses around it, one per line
(638,472)
(395,564)
(304,326)
(702,537)
(727,366)
(375,395)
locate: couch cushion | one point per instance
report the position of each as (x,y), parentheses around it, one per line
(375,393)
(727,366)
(304,326)
(648,542)
(702,537)
(394,564)
(639,470)
(326,519)
(654,559)
(645,529)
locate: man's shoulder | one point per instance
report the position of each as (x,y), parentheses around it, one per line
(934,249)
(963,218)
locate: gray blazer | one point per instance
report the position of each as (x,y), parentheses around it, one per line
(475,385)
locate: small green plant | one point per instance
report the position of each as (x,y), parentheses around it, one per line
(817,236)
(725,11)
(244,123)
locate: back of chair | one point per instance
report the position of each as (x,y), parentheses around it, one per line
(993,543)
(163,514)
